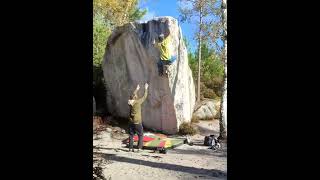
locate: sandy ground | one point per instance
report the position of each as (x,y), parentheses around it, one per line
(183,162)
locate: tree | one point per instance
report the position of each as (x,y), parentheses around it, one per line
(108,14)
(223,109)
(191,58)
(135,13)
(212,15)
(211,70)
(101,31)
(118,12)
(199,48)
(201,12)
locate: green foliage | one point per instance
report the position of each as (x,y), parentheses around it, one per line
(107,14)
(216,84)
(211,71)
(207,16)
(210,12)
(135,13)
(212,67)
(101,32)
(207,92)
(118,12)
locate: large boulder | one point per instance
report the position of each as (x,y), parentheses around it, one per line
(131,59)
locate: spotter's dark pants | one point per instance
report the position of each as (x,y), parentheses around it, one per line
(135,128)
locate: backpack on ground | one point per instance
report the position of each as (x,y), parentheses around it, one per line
(212,141)
(209,140)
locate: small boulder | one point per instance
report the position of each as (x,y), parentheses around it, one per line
(207,110)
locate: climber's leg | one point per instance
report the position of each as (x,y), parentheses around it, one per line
(166,66)
(160,67)
(173,59)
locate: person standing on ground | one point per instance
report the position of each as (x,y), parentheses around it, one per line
(135,124)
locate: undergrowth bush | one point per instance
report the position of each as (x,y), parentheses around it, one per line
(187,129)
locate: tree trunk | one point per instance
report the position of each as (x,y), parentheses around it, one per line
(223,109)
(199,54)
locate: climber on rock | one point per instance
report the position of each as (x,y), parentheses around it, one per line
(135,119)
(166,59)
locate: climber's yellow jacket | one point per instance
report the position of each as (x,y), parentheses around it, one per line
(164,49)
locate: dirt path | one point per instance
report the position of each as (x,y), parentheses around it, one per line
(183,162)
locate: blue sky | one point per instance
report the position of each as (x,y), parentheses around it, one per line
(169,8)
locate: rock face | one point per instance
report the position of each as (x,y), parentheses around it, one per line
(208,109)
(131,59)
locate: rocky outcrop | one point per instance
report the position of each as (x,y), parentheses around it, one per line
(208,109)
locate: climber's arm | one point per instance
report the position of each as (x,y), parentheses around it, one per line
(167,29)
(155,44)
(167,33)
(141,100)
(135,93)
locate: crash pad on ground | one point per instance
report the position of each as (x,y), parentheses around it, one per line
(158,141)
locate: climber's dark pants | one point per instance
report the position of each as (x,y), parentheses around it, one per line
(162,63)
(133,128)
